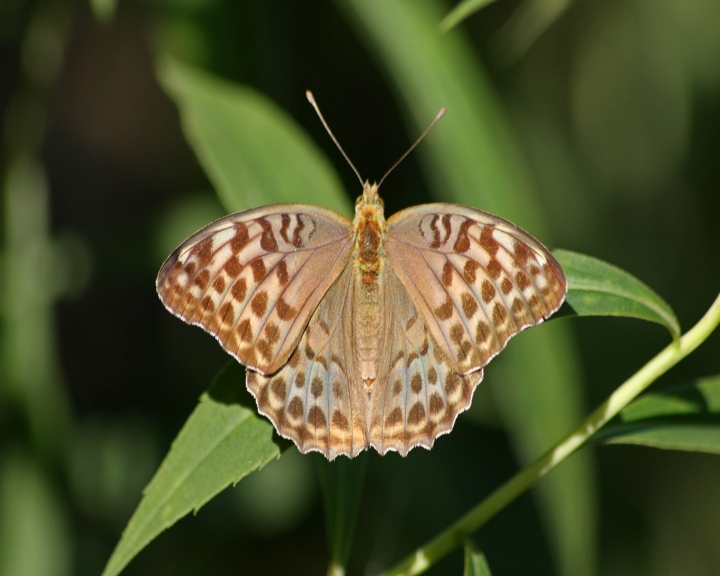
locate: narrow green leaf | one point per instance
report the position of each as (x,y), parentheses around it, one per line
(699,398)
(596,288)
(681,418)
(475,562)
(462,11)
(222,441)
(251,150)
(669,435)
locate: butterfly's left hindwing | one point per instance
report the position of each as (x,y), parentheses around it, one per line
(254,278)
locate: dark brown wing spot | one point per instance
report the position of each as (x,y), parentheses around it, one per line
(259,304)
(482,332)
(340,421)
(324,327)
(294,358)
(285,220)
(432,375)
(517,306)
(189,269)
(232,267)
(297,238)
(522,280)
(417,414)
(299,378)
(534,270)
(394,418)
(226,313)
(436,233)
(241,238)
(278,387)
(447,274)
(452,381)
(316,418)
(265,349)
(416,383)
(337,390)
(272,332)
(445,311)
(499,314)
(258,269)
(202,279)
(267,240)
(203,251)
(219,284)
(284,310)
(494,268)
(522,253)
(447,226)
(457,334)
(245,331)
(296,408)
(316,387)
(488,291)
(506,285)
(411,322)
(282,273)
(462,243)
(206,305)
(469,271)
(239,290)
(309,352)
(469,305)
(397,387)
(488,242)
(436,404)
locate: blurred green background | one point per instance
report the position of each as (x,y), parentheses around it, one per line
(607,119)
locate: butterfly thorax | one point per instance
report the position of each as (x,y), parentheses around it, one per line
(369,262)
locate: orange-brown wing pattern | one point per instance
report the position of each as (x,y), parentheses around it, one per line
(253,279)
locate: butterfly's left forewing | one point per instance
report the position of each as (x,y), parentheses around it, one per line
(253,279)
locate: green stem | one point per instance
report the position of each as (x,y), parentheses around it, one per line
(456,534)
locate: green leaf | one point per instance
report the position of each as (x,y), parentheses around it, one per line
(251,150)
(222,441)
(596,288)
(669,435)
(681,418)
(471,157)
(475,563)
(462,11)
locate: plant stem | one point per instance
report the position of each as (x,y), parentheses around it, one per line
(456,534)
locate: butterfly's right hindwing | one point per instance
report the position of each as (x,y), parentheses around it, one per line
(253,279)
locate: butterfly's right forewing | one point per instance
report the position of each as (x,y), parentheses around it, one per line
(253,279)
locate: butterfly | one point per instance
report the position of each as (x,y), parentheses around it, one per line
(362,333)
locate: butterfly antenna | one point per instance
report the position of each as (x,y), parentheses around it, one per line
(439,115)
(311,99)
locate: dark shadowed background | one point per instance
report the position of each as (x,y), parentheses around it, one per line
(613,109)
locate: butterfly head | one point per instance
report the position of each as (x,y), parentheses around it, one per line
(369,199)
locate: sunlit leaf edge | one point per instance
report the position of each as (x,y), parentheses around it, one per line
(684,417)
(475,561)
(597,288)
